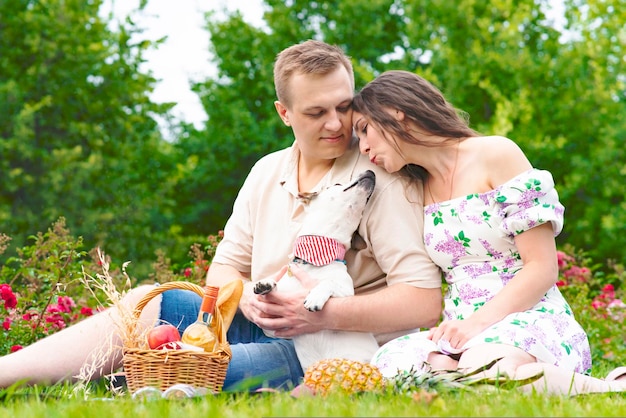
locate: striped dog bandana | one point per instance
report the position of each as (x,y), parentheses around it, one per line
(318,250)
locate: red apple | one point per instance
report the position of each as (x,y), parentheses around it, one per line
(162,334)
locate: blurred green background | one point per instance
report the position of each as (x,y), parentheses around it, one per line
(79,137)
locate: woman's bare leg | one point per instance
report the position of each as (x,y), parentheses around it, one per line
(480,355)
(61,356)
(519,365)
(558,381)
(439,361)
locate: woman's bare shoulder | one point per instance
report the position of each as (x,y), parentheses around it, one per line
(502,158)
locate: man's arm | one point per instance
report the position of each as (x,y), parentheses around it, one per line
(220,274)
(395,308)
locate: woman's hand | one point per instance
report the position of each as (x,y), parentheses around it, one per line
(455,332)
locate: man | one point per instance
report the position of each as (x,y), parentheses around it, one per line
(397,286)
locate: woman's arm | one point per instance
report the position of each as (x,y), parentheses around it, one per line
(540,272)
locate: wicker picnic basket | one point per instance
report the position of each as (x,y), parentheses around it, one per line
(144,367)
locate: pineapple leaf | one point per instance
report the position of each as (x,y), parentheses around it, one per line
(410,381)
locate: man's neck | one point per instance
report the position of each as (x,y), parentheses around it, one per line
(311,172)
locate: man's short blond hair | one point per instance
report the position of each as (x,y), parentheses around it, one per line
(308,57)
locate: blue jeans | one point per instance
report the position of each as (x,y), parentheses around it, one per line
(258,360)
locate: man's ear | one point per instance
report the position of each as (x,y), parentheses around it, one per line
(399,115)
(282,112)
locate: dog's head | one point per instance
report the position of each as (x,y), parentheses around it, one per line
(336,211)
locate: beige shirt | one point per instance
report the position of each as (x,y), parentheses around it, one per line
(267,215)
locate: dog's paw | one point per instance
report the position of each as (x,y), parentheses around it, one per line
(315,301)
(263,287)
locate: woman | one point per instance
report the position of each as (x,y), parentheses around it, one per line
(490,223)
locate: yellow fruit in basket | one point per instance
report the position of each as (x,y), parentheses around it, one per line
(342,375)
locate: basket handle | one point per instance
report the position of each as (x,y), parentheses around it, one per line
(219,328)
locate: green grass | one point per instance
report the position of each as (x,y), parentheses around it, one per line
(58,401)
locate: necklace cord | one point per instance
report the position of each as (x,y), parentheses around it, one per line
(456,160)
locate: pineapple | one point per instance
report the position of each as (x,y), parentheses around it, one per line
(342,375)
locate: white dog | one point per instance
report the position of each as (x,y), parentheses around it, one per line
(330,220)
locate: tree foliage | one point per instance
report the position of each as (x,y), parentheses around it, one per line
(555,86)
(77,134)
(78,137)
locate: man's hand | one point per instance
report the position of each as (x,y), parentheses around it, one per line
(249,300)
(282,312)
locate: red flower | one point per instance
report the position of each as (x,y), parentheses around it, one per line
(202,264)
(6,294)
(56,320)
(6,324)
(30,316)
(608,288)
(86,311)
(16,348)
(187,272)
(5,289)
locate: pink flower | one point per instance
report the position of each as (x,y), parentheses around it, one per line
(86,311)
(66,304)
(579,274)
(563,259)
(187,272)
(617,310)
(597,304)
(53,309)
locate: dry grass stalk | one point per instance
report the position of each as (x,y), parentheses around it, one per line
(125,320)
(4,242)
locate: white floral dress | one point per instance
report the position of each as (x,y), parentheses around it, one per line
(471,238)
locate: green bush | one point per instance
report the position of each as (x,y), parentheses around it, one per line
(42,291)
(596,297)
